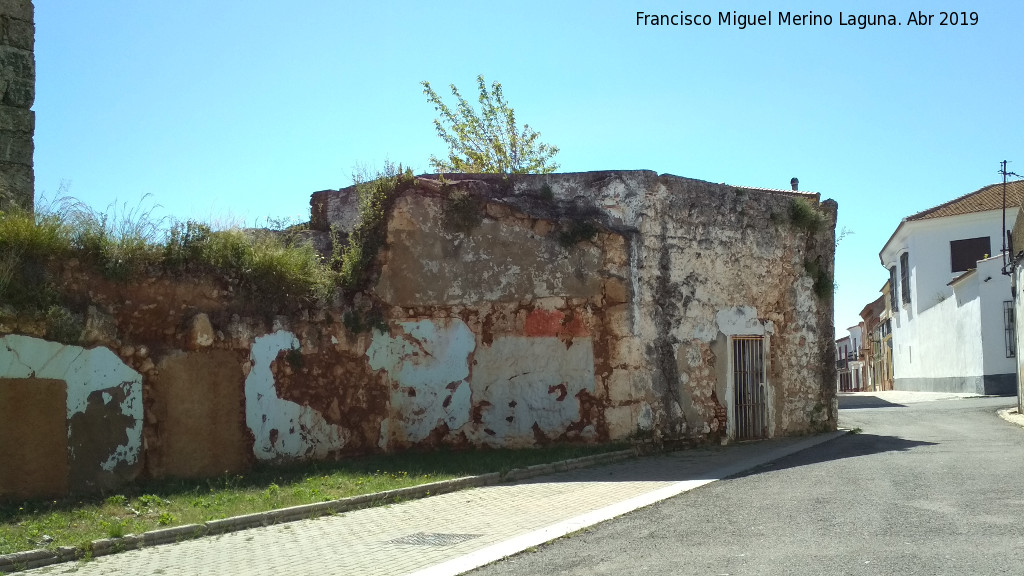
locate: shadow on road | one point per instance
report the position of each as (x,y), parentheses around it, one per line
(849,446)
(856,402)
(707,462)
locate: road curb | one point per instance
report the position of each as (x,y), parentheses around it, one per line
(38,558)
(1012,415)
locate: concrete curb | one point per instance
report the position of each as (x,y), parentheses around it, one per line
(1012,416)
(44,557)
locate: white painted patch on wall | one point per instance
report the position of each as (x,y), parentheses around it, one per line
(301,431)
(645,421)
(530,381)
(84,371)
(429,361)
(742,320)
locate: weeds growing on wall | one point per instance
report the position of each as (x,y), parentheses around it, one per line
(546,193)
(376,196)
(358,320)
(823,285)
(127,243)
(804,216)
(462,212)
(577,231)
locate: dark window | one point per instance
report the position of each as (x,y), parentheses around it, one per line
(964,254)
(892,290)
(905,276)
(1009,329)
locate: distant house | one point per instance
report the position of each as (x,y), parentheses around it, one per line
(851,374)
(844,347)
(950,304)
(876,350)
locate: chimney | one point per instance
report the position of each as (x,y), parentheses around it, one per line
(795,183)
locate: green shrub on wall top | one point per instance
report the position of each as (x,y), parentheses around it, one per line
(127,244)
(462,212)
(804,216)
(376,197)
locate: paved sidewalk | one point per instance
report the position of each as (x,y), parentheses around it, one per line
(450,533)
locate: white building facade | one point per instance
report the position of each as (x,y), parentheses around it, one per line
(951,306)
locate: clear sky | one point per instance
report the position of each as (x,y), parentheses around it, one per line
(234,110)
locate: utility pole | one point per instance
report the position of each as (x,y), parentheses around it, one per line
(1006,258)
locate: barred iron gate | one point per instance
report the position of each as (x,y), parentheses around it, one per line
(749,399)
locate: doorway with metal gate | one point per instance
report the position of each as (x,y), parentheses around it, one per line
(750,394)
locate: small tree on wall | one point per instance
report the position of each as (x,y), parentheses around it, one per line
(487,141)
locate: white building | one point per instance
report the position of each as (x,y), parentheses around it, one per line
(843,352)
(952,311)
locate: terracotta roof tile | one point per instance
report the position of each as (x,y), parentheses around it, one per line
(988,198)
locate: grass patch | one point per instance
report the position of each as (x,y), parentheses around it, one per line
(128,243)
(69,522)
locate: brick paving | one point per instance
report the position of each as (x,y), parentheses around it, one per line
(448,533)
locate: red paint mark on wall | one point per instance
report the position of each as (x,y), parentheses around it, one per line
(553,323)
(544,323)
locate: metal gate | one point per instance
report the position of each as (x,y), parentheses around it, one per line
(749,396)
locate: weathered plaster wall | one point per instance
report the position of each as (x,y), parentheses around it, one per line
(497,329)
(511,332)
(17,93)
(103,414)
(675,254)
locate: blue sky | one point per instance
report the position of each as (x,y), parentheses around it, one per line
(231,111)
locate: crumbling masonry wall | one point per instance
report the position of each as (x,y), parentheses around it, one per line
(17,93)
(679,267)
(566,307)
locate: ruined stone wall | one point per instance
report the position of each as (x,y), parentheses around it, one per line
(17,92)
(571,307)
(692,264)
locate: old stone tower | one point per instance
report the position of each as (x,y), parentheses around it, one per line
(17,93)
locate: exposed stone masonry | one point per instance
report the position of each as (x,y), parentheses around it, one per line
(17,93)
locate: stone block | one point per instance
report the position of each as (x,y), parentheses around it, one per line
(497,211)
(626,352)
(18,92)
(624,386)
(14,119)
(16,148)
(16,185)
(619,320)
(100,328)
(621,421)
(201,334)
(18,33)
(17,9)
(615,291)
(616,251)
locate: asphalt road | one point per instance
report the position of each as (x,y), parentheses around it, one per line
(924,488)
